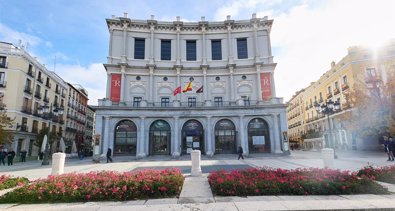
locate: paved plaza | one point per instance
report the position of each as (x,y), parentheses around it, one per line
(196,194)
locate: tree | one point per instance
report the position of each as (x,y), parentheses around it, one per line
(6,136)
(53,136)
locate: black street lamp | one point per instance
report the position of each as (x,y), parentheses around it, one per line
(47,113)
(328,109)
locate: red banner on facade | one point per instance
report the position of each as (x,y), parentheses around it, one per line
(266,86)
(115,87)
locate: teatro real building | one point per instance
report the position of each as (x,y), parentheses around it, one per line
(177,86)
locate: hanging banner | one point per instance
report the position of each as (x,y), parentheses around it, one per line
(115,87)
(266,86)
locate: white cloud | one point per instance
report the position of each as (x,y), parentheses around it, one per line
(9,35)
(308,36)
(48,44)
(92,78)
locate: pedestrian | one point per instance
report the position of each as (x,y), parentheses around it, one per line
(388,145)
(3,154)
(23,155)
(240,152)
(41,155)
(109,155)
(10,157)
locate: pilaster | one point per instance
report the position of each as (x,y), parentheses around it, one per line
(141,141)
(176,142)
(209,140)
(243,140)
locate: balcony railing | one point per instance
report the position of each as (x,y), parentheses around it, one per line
(344,87)
(336,91)
(37,95)
(328,95)
(57,91)
(30,73)
(48,85)
(35,130)
(40,79)
(46,99)
(24,128)
(28,90)
(26,109)
(3,84)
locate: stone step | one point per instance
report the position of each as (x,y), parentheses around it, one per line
(196,190)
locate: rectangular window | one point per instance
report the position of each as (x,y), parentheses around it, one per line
(336,85)
(191,50)
(165,50)
(370,72)
(345,79)
(329,90)
(164,102)
(2,79)
(139,48)
(136,101)
(321,99)
(191,101)
(246,100)
(242,52)
(216,51)
(3,61)
(218,101)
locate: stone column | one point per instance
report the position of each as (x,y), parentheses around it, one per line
(109,58)
(256,51)
(151,84)
(141,141)
(258,84)
(205,87)
(176,142)
(108,90)
(243,141)
(209,140)
(106,135)
(151,57)
(204,54)
(232,85)
(124,49)
(230,46)
(276,146)
(178,47)
(122,98)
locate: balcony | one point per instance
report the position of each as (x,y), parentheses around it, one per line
(24,128)
(28,90)
(4,64)
(46,99)
(37,95)
(56,104)
(57,91)
(3,84)
(48,85)
(30,73)
(344,87)
(336,91)
(40,79)
(26,109)
(34,130)
(328,95)
(63,95)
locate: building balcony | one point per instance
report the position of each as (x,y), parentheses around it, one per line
(336,91)
(28,90)
(26,109)
(24,128)
(46,99)
(34,130)
(40,79)
(30,73)
(37,95)
(328,95)
(344,87)
(3,84)
(48,85)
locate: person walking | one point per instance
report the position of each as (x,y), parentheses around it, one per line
(10,157)
(240,152)
(23,155)
(109,155)
(388,145)
(3,154)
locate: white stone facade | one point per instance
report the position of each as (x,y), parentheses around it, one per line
(239,91)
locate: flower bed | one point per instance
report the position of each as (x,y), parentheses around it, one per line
(10,182)
(290,182)
(384,174)
(99,186)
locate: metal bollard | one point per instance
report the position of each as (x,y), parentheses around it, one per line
(328,157)
(58,163)
(196,169)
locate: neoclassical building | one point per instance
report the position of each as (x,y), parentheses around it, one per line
(177,86)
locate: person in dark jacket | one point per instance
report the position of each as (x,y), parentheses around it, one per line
(109,155)
(23,155)
(10,157)
(388,145)
(3,154)
(240,152)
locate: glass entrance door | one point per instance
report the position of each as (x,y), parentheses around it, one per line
(192,137)
(160,138)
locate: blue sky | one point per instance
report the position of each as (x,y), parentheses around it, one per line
(75,32)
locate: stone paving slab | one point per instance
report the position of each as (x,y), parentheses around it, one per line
(196,190)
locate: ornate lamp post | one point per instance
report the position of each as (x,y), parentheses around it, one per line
(47,113)
(328,109)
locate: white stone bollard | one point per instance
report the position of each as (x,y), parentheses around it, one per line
(58,163)
(328,155)
(195,157)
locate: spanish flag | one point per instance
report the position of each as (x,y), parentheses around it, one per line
(188,87)
(177,91)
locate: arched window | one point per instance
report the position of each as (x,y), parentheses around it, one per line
(225,137)
(258,136)
(125,141)
(160,138)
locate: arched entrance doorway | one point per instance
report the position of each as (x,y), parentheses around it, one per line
(159,138)
(225,137)
(125,140)
(258,136)
(192,136)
